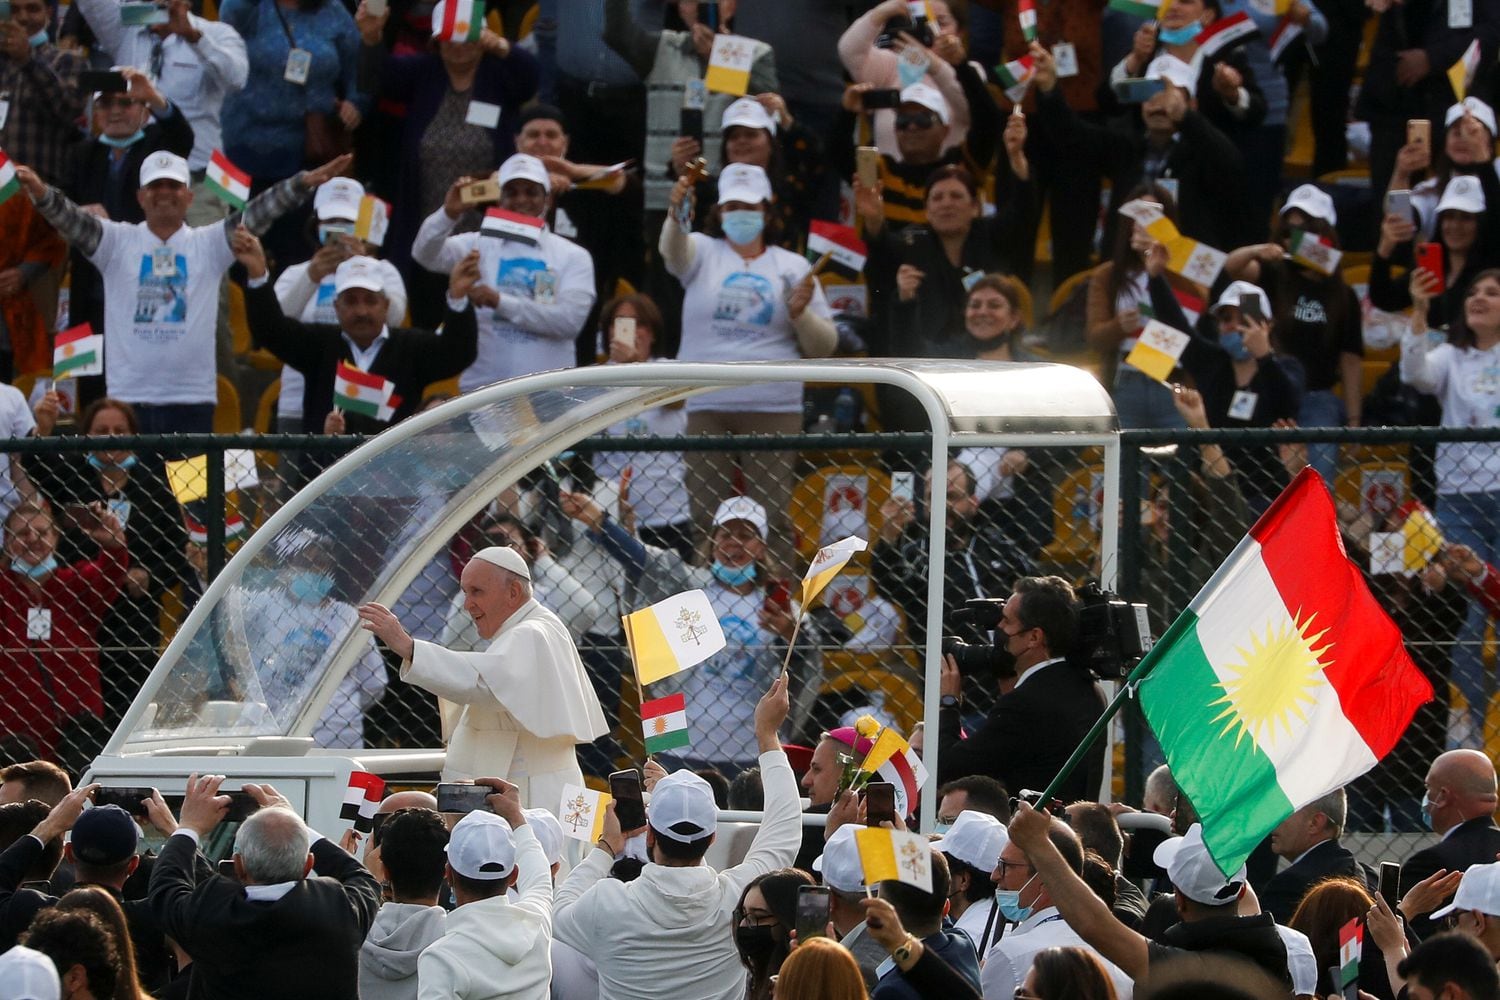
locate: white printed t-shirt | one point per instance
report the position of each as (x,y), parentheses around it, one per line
(159,319)
(734,309)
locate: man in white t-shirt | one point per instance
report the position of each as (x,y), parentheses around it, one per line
(534,300)
(161,285)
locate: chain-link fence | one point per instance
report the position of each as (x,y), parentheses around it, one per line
(83,632)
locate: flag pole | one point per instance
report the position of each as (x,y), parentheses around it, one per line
(1127,691)
(792,642)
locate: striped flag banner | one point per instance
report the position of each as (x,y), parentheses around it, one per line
(664,723)
(1272,8)
(78,351)
(362,799)
(827,564)
(1026,10)
(1151,10)
(1287,31)
(229,182)
(458,20)
(1351,937)
(358,391)
(512,226)
(1312,250)
(672,635)
(845,250)
(1014,77)
(9,185)
(1192,305)
(1225,32)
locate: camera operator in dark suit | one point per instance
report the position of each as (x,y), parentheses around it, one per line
(1047,703)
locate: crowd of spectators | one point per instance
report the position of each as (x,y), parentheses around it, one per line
(571,183)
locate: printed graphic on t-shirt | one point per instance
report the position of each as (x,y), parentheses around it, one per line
(517,276)
(1485,381)
(161,302)
(736,664)
(1309,311)
(323,311)
(120,508)
(744,299)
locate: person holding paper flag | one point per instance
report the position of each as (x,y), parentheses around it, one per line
(523,704)
(757,626)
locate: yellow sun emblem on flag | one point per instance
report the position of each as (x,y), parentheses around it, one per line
(1274,681)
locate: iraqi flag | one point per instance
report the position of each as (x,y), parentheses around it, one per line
(1283,679)
(846,252)
(357,391)
(1225,32)
(1287,31)
(361,799)
(512,226)
(226,180)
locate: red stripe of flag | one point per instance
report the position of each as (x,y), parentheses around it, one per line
(844,236)
(663,706)
(516,217)
(230,169)
(450,17)
(75,333)
(372,784)
(349,373)
(1379,687)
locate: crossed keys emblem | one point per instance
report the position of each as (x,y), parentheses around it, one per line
(690,627)
(913,858)
(733,53)
(578,812)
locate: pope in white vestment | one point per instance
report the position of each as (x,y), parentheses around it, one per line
(524,703)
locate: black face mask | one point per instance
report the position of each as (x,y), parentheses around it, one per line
(755,943)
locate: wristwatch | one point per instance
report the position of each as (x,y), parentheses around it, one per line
(948,701)
(902,953)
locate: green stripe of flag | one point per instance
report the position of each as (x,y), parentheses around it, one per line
(670,740)
(1139,9)
(9,188)
(368,407)
(1181,698)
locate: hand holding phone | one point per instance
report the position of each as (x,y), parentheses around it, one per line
(880,803)
(622,332)
(630,803)
(131,798)
(812,912)
(1430,258)
(1390,883)
(867,165)
(462,797)
(1250,307)
(876,100)
(1398,202)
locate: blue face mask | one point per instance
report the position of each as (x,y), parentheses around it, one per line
(1234,344)
(125,143)
(311,588)
(733,576)
(41,569)
(1182,35)
(99,464)
(39,39)
(743,225)
(1427,811)
(1009,901)
(941,828)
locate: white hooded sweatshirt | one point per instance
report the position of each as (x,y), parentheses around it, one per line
(388,958)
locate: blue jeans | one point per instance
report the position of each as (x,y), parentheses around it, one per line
(1321,408)
(1141,401)
(1472,519)
(175,418)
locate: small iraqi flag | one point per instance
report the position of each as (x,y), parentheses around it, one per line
(361,799)
(358,391)
(78,351)
(1225,32)
(846,251)
(1287,31)
(228,181)
(664,723)
(512,226)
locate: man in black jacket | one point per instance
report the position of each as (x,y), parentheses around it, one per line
(1046,711)
(1459,803)
(1309,839)
(272,931)
(403,359)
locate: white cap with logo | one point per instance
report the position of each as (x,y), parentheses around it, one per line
(975,838)
(1313,202)
(358,272)
(1194,873)
(524,167)
(742,509)
(482,846)
(1479,890)
(506,558)
(1231,296)
(750,113)
(164,166)
(682,808)
(338,198)
(839,863)
(744,182)
(1463,194)
(928,97)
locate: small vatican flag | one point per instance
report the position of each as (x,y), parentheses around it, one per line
(581,813)
(672,635)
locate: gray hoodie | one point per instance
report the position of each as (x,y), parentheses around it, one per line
(388,958)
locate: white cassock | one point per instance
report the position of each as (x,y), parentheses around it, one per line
(525,704)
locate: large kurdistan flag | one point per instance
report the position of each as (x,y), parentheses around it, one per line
(1282,680)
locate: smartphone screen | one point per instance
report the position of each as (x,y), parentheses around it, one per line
(130,798)
(459,797)
(1430,256)
(875,100)
(812,912)
(1134,90)
(867,163)
(1398,202)
(1419,131)
(904,486)
(93,81)
(1390,883)
(630,804)
(241,805)
(622,332)
(880,803)
(1250,307)
(690,123)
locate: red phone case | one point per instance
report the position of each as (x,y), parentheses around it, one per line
(1430,256)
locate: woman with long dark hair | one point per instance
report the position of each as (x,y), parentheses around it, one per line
(763,924)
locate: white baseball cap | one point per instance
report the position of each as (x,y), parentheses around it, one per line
(506,558)
(358,272)
(1231,296)
(682,799)
(1193,872)
(744,182)
(548,831)
(1463,194)
(839,864)
(1471,106)
(750,113)
(162,165)
(929,97)
(1174,71)
(481,846)
(975,838)
(742,509)
(27,974)
(524,167)
(1312,202)
(1479,890)
(338,198)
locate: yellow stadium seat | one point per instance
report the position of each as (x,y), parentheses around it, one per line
(227,415)
(1365,483)
(1065,291)
(265,409)
(1074,513)
(857,493)
(894,672)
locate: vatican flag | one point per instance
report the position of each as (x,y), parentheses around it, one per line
(827,564)
(672,635)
